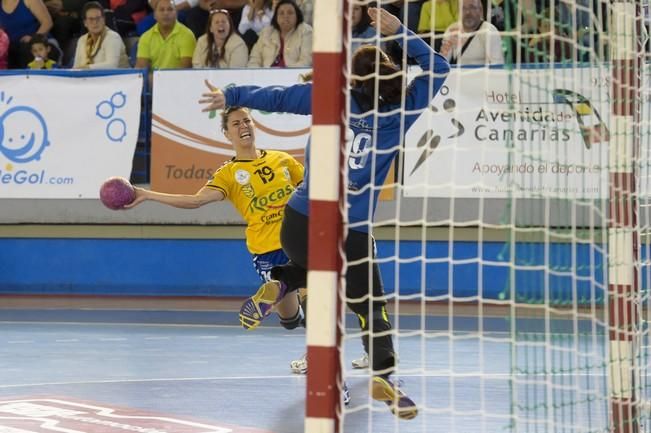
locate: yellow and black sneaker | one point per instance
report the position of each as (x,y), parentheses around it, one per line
(401,406)
(256,308)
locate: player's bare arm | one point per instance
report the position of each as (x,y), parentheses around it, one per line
(184,201)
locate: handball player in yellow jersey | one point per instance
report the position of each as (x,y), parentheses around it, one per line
(258,183)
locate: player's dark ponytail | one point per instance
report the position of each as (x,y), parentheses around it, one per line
(367,62)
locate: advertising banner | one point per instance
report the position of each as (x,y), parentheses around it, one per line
(188,145)
(62,136)
(494,133)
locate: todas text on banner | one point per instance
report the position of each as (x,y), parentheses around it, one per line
(62,136)
(188,145)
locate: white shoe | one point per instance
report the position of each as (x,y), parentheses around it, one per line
(299,366)
(360,363)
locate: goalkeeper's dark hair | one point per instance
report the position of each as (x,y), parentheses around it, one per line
(226,113)
(369,64)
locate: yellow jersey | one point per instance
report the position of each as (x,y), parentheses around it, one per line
(259,189)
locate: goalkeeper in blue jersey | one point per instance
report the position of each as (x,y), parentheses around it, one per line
(376,143)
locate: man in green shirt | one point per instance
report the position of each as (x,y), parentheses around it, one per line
(167,45)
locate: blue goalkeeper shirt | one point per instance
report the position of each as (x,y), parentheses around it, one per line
(376,135)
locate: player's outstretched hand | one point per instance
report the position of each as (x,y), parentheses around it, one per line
(213,100)
(383,21)
(141,195)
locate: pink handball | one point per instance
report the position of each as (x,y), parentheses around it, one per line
(116,192)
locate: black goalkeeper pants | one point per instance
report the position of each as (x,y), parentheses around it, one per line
(362,278)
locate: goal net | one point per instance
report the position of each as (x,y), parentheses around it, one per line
(511,231)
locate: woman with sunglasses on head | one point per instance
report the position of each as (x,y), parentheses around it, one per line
(220,46)
(379,84)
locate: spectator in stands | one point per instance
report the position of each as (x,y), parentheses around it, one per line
(473,41)
(519,19)
(255,16)
(514,15)
(21,19)
(127,14)
(287,42)
(65,18)
(169,44)
(41,48)
(101,47)
(435,17)
(363,32)
(182,6)
(551,44)
(575,15)
(220,46)
(586,23)
(196,17)
(4,49)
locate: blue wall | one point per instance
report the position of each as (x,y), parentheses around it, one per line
(179,267)
(570,274)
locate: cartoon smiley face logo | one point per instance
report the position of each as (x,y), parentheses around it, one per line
(23,134)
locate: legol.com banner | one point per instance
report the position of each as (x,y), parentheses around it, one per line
(188,145)
(62,136)
(525,133)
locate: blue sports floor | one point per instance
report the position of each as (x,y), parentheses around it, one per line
(111,371)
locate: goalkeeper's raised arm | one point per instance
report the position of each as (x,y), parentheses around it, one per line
(297,99)
(435,69)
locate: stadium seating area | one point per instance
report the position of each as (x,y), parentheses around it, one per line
(531,30)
